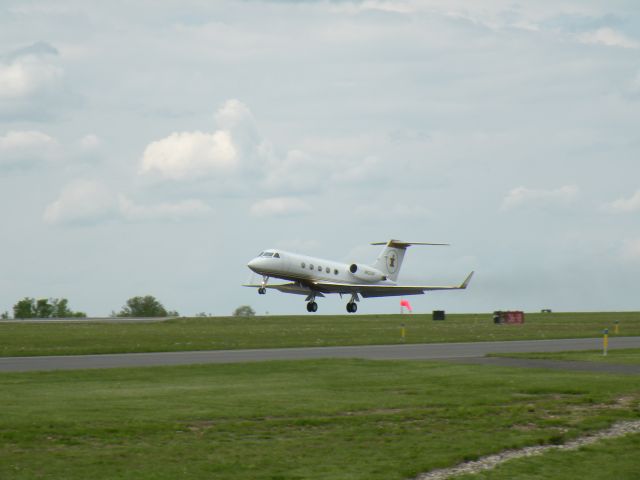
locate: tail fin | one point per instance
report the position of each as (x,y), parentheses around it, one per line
(390,260)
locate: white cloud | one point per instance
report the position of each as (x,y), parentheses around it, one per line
(26,147)
(392,211)
(624,205)
(87,202)
(238,155)
(396,6)
(234,146)
(164,211)
(296,171)
(82,202)
(608,37)
(90,142)
(28,71)
(188,155)
(280,206)
(523,196)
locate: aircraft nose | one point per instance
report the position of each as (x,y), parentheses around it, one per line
(254,264)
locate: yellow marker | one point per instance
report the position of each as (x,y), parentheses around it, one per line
(605,342)
(616,330)
(402,332)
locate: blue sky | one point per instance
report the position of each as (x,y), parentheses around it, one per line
(154,148)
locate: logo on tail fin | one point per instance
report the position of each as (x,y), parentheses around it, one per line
(392,261)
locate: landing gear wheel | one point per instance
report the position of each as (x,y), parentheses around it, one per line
(262,290)
(352,307)
(312,307)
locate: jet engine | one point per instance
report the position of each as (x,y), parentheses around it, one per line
(365,273)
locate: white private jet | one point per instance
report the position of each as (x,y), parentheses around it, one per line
(314,277)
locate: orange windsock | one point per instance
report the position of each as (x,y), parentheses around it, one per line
(405,303)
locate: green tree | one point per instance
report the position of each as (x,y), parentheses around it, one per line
(147,306)
(244,311)
(44,308)
(61,308)
(25,308)
(5,315)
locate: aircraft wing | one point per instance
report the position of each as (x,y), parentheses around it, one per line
(369,290)
(295,288)
(366,290)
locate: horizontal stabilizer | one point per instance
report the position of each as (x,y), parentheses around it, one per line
(404,245)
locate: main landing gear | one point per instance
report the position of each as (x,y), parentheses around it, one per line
(352,306)
(312,306)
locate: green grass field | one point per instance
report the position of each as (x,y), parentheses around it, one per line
(292,331)
(325,419)
(628,356)
(608,460)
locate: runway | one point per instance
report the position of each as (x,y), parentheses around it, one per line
(432,351)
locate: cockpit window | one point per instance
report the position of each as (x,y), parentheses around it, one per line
(276,255)
(267,254)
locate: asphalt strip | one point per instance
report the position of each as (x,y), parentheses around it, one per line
(489,462)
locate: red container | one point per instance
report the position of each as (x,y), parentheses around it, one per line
(513,317)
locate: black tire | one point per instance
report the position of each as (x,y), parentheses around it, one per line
(354,307)
(314,307)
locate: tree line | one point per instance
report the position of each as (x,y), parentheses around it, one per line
(140,306)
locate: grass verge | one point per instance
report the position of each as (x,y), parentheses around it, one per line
(325,419)
(626,356)
(24,339)
(606,460)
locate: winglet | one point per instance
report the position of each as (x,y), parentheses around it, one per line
(464,284)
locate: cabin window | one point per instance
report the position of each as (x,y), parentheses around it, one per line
(319,268)
(311,266)
(335,272)
(303,265)
(328,270)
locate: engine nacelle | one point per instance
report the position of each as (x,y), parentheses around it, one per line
(365,273)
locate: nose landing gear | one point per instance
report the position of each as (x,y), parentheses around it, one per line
(263,286)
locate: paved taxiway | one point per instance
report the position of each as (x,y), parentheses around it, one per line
(432,351)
